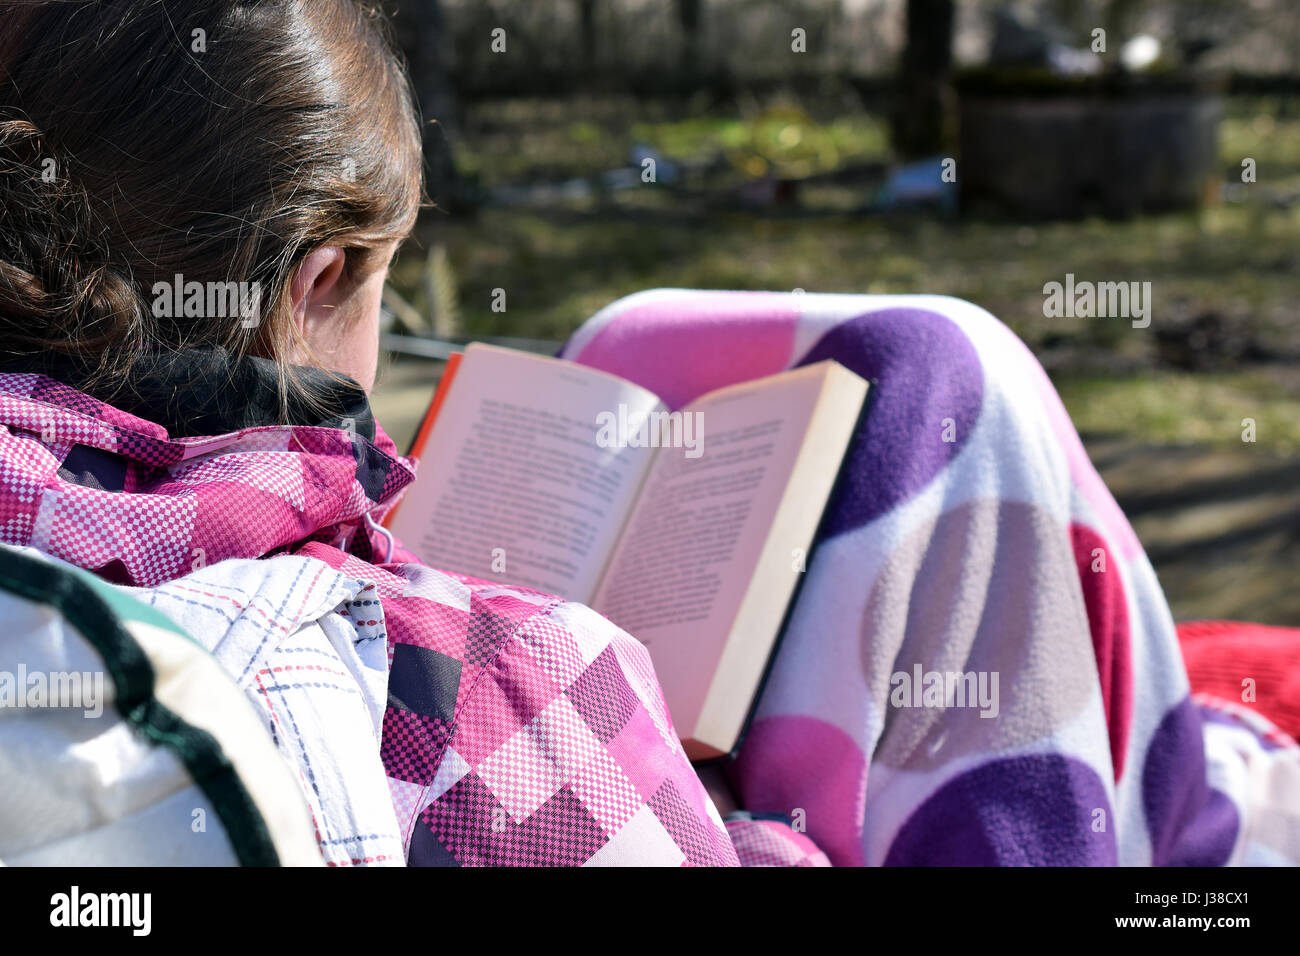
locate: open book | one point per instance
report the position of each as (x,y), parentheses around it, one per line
(689,529)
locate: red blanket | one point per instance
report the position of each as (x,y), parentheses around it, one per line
(1222,657)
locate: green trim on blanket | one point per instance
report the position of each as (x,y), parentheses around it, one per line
(103,616)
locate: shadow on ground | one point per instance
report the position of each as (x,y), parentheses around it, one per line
(1220,525)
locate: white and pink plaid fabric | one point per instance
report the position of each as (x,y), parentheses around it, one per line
(516,728)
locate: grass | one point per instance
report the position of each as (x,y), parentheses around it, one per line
(560,262)
(1170,408)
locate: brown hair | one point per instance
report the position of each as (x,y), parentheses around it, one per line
(221,140)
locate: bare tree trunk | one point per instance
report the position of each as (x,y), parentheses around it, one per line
(423,31)
(923,104)
(587,28)
(689,16)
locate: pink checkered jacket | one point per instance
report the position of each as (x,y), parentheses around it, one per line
(519,728)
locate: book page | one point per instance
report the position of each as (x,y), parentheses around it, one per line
(690,552)
(513,484)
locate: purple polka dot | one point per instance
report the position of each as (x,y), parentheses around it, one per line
(925,370)
(1032,810)
(1190,824)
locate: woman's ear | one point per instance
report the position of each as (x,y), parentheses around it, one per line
(315,286)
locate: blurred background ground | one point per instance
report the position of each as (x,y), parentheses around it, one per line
(783,180)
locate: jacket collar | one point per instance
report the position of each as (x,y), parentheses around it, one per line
(115,492)
(208,391)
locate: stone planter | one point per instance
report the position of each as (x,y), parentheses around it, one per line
(1069,148)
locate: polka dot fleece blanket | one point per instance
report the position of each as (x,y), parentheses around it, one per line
(972,557)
